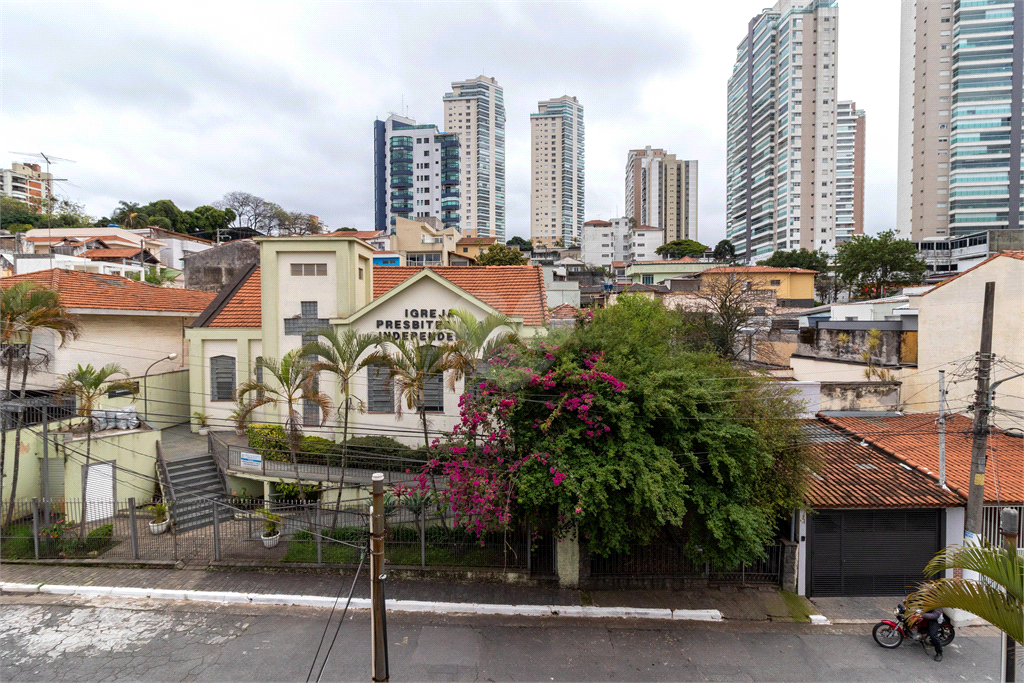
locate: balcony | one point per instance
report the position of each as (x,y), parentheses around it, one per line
(450,218)
(401,208)
(400,182)
(449,142)
(450,192)
(401,155)
(452,205)
(399,196)
(401,142)
(449,178)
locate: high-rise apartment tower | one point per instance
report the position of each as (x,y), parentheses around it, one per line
(416,172)
(959,168)
(850,133)
(661,192)
(475,111)
(557,186)
(782,126)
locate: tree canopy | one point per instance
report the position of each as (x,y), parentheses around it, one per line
(523,244)
(501,255)
(874,265)
(620,431)
(808,260)
(681,249)
(724,251)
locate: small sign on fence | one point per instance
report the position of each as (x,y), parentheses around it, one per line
(251,461)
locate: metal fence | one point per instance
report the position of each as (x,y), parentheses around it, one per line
(990,524)
(233,531)
(667,560)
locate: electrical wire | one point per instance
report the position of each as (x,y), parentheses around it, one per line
(351,590)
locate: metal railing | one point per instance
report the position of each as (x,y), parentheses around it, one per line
(667,560)
(990,524)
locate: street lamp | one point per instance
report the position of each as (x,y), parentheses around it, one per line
(145,383)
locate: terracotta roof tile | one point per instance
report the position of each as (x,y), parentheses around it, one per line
(467,241)
(598,222)
(92,290)
(563,312)
(914,439)
(1019,255)
(856,476)
(685,259)
(516,291)
(245,308)
(119,252)
(757,269)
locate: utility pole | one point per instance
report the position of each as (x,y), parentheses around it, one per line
(378,629)
(942,428)
(46,465)
(976,490)
(1009,525)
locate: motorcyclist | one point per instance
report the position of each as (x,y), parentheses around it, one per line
(934,618)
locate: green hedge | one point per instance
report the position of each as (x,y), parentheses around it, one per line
(364,452)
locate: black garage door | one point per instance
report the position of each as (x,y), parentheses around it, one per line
(870,552)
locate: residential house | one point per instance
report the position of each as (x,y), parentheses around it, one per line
(176,245)
(472,247)
(652,272)
(793,287)
(879,511)
(642,242)
(134,324)
(949,318)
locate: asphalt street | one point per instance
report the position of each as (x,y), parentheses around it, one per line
(46,638)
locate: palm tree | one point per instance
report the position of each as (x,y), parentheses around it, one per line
(26,307)
(1000,601)
(88,385)
(343,356)
(413,366)
(294,380)
(476,340)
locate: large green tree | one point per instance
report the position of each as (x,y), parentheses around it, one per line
(875,265)
(724,251)
(620,432)
(808,260)
(206,221)
(16,215)
(681,249)
(500,255)
(164,209)
(523,244)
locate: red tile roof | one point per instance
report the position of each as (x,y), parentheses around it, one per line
(119,252)
(1019,255)
(92,290)
(245,307)
(516,291)
(469,241)
(685,259)
(563,312)
(598,222)
(856,476)
(914,439)
(756,269)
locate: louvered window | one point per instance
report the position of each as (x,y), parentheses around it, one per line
(222,378)
(381,393)
(433,393)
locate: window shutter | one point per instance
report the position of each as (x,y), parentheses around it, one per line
(381,392)
(433,393)
(222,378)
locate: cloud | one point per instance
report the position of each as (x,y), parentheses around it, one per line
(188,101)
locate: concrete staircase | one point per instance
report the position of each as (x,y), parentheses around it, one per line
(194,482)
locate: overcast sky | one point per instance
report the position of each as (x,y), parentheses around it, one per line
(188,101)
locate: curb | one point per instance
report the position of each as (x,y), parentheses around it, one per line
(364,603)
(820,620)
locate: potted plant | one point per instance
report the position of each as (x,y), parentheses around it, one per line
(160,519)
(204,422)
(271,528)
(239,416)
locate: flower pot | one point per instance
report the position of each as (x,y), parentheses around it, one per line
(157,528)
(239,432)
(271,541)
(203,431)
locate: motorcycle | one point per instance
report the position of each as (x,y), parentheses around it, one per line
(890,634)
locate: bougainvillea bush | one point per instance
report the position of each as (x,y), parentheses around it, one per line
(619,430)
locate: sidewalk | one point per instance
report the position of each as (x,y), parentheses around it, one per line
(728,602)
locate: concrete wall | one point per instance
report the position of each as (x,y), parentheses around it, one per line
(877,396)
(827,344)
(949,321)
(211,269)
(133,340)
(133,450)
(169,403)
(818,370)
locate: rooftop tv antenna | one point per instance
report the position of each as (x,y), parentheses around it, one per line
(48,159)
